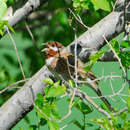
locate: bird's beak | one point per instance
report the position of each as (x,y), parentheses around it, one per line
(45,49)
(43,44)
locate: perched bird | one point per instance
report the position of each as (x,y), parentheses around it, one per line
(62,65)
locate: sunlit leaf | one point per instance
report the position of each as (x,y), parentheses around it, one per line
(32,127)
(84,108)
(93,60)
(48,81)
(125,44)
(96,56)
(53,125)
(105,123)
(102,4)
(115,45)
(128,103)
(71,83)
(76,3)
(3,8)
(85,4)
(43,122)
(78,124)
(56,90)
(63,18)
(10,27)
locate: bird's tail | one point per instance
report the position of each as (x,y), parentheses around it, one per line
(99,93)
(94,86)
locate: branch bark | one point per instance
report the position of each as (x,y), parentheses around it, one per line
(21,13)
(88,43)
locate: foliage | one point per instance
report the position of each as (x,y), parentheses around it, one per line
(87,4)
(116,125)
(48,109)
(93,59)
(56,25)
(3,8)
(3,23)
(47,104)
(124,55)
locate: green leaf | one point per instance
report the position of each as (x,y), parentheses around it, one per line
(53,125)
(40,97)
(115,45)
(48,81)
(80,105)
(20,128)
(123,115)
(39,101)
(55,114)
(78,124)
(128,103)
(71,83)
(93,60)
(46,89)
(125,44)
(77,6)
(102,121)
(62,18)
(103,4)
(76,3)
(96,56)
(56,90)
(32,127)
(3,8)
(88,67)
(57,84)
(43,122)
(125,58)
(10,27)
(85,4)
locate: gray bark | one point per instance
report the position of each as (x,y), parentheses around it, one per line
(89,42)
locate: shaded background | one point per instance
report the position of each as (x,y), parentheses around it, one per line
(54,23)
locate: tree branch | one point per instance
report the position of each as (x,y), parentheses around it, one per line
(110,26)
(21,13)
(88,43)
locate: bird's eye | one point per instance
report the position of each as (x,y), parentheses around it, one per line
(53,45)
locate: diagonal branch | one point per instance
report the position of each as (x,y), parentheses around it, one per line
(89,42)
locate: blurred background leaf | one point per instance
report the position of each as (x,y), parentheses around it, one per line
(54,22)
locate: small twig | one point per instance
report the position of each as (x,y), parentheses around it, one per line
(12,85)
(66,125)
(84,120)
(121,111)
(100,78)
(33,40)
(48,118)
(123,100)
(15,48)
(78,19)
(115,54)
(122,88)
(70,105)
(115,94)
(76,61)
(112,88)
(85,97)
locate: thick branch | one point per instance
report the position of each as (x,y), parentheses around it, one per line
(91,41)
(21,13)
(21,102)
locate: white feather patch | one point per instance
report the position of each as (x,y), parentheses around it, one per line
(49,60)
(53,48)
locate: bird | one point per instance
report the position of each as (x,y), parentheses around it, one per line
(62,65)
